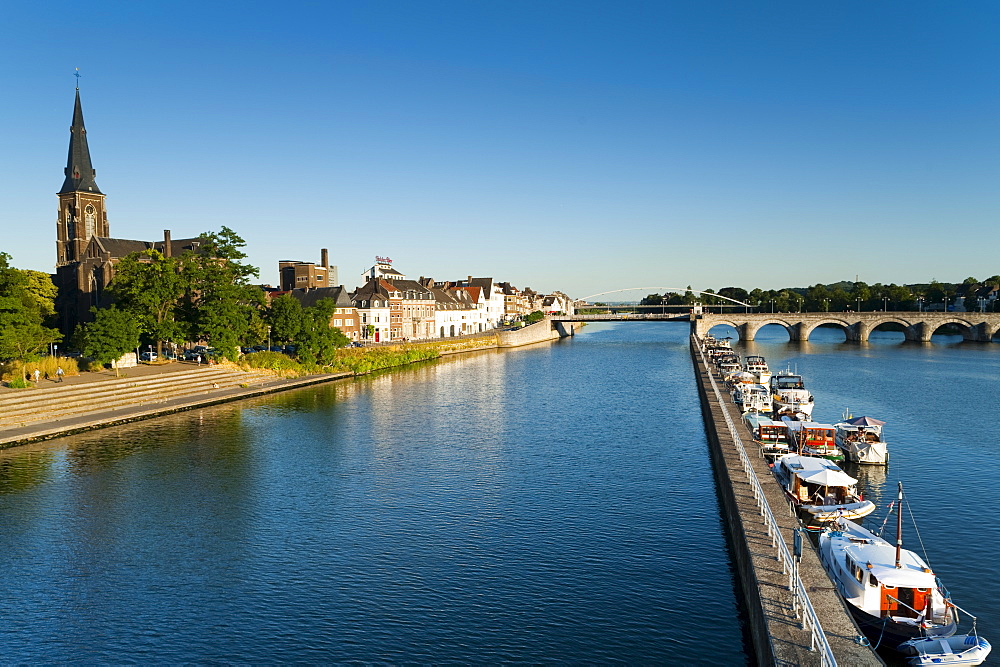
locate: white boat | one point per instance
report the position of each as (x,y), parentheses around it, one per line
(752,397)
(820,489)
(861,440)
(790,396)
(895,597)
(754,363)
(970,649)
(770,436)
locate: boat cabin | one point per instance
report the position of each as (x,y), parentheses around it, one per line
(780,382)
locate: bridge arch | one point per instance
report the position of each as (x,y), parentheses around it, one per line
(806,328)
(969,330)
(750,329)
(911,330)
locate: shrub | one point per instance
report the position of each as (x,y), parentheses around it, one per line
(272,361)
(19,383)
(366,360)
(46,366)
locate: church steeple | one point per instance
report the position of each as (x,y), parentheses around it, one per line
(80,172)
(81,203)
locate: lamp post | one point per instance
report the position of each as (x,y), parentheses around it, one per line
(772,305)
(826,305)
(800,304)
(885,303)
(920,304)
(268,337)
(859,304)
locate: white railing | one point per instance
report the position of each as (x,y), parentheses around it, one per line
(789,566)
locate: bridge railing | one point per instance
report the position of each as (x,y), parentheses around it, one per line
(800,598)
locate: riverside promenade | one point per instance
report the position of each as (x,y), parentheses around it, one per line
(794,614)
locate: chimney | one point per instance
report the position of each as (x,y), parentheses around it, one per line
(324,258)
(166,243)
(470,281)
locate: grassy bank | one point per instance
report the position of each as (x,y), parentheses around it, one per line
(361,360)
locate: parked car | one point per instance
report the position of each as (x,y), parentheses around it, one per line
(148,356)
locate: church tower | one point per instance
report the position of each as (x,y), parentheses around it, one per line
(81,202)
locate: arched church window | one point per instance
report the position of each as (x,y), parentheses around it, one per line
(89,218)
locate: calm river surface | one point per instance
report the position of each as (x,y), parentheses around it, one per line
(552,504)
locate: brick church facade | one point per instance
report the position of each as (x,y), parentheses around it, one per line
(86,254)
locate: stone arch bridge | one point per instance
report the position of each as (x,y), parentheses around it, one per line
(917,326)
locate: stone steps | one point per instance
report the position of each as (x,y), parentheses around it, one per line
(63,402)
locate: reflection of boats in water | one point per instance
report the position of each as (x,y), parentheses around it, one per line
(894,595)
(861,440)
(820,489)
(871,479)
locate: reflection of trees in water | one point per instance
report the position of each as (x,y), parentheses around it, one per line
(22,469)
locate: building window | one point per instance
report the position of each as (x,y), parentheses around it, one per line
(337,323)
(89,218)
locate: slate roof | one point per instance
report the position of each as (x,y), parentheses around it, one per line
(118,248)
(80,174)
(311,297)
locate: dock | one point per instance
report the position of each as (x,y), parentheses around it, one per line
(795,615)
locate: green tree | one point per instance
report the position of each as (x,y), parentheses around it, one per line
(152,288)
(285,318)
(318,342)
(22,316)
(651,300)
(222,306)
(112,333)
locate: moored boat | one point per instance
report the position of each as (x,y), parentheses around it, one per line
(752,398)
(790,396)
(820,489)
(770,436)
(895,597)
(861,440)
(968,649)
(813,439)
(754,363)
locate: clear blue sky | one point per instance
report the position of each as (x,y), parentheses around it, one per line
(574,145)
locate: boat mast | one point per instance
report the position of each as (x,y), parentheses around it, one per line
(899,525)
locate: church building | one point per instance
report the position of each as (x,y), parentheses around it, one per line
(86,253)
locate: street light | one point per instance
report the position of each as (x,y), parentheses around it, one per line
(772,305)
(859,304)
(826,305)
(268,337)
(885,303)
(920,304)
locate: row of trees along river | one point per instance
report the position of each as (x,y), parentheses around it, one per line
(844,296)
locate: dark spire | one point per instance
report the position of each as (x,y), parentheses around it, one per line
(79,171)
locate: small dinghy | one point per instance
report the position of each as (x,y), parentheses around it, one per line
(970,649)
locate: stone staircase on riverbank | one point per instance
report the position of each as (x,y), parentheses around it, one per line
(67,401)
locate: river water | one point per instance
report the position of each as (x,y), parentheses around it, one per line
(551,504)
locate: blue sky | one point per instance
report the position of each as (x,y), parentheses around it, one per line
(581,146)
